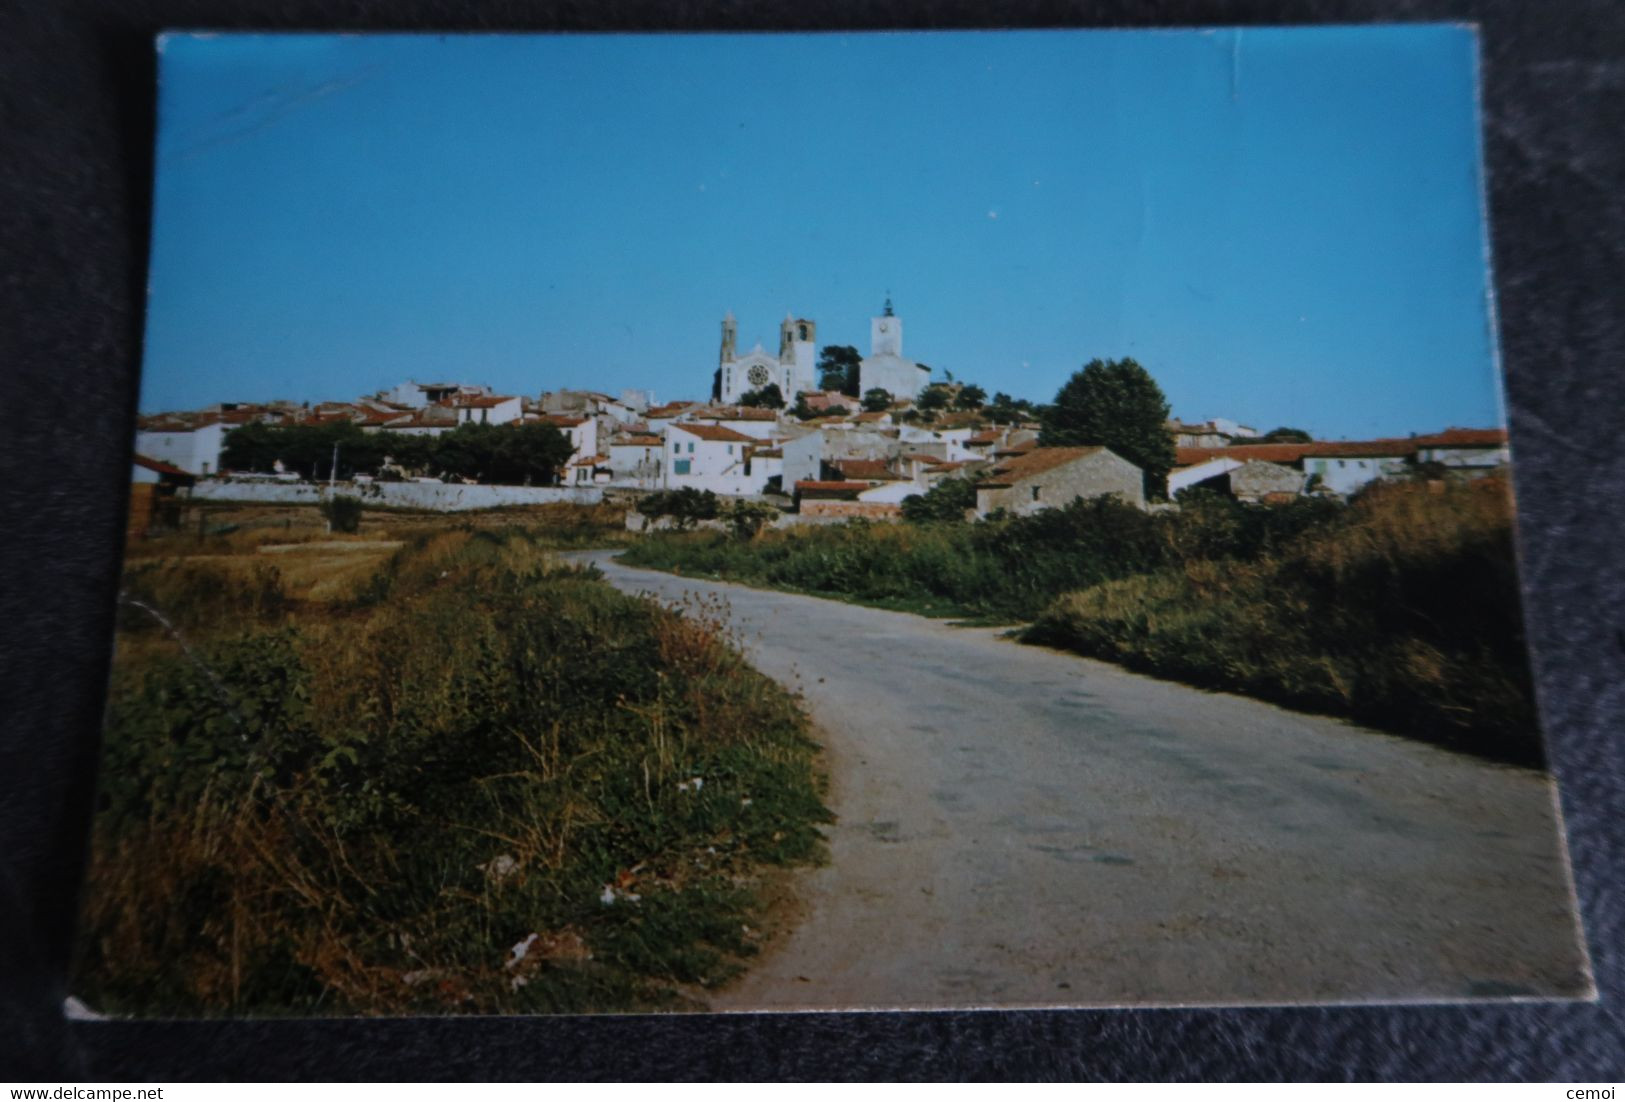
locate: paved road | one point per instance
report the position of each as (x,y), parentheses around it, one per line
(1020,827)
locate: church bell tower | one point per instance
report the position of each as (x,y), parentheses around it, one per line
(730,337)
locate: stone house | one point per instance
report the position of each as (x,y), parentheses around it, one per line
(1257,480)
(1047,478)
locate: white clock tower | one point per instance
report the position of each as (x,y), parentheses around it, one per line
(884,368)
(886,333)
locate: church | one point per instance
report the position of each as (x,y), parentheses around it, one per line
(796,368)
(884,367)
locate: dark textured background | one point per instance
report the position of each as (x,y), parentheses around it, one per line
(76,102)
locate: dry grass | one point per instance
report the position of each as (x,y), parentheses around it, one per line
(323,796)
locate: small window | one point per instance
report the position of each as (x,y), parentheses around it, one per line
(1341,464)
(730,449)
(680,466)
(1035,493)
(691,447)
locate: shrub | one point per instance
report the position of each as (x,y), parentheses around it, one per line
(746,518)
(948,500)
(686,506)
(342,512)
(1400,610)
(364,812)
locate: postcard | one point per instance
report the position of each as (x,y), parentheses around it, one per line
(808,522)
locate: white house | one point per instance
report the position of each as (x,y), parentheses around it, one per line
(582,432)
(804,457)
(762,424)
(486,409)
(1468,450)
(711,457)
(1343,467)
(637,460)
(195,450)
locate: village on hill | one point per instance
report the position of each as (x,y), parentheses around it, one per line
(774,430)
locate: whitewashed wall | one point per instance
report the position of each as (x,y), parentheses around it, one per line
(439,497)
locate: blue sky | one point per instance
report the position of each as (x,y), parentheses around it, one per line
(1283,226)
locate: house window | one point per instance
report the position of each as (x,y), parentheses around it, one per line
(1035,493)
(730,449)
(691,447)
(1341,464)
(676,447)
(680,466)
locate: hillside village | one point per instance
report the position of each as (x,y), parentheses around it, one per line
(819,453)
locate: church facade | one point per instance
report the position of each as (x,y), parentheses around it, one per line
(795,368)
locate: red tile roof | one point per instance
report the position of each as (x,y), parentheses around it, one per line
(670,409)
(477,401)
(736,413)
(160,466)
(714,433)
(1292,453)
(1463,438)
(873,469)
(559,420)
(1034,462)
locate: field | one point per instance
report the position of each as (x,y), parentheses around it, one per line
(427,767)
(1399,609)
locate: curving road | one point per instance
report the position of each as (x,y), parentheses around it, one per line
(1021,827)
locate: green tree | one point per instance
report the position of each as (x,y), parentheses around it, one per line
(970,396)
(838,368)
(1116,403)
(1285,435)
(686,506)
(746,518)
(948,500)
(933,398)
(530,455)
(769,397)
(876,400)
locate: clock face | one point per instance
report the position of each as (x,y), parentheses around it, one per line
(885,328)
(757,375)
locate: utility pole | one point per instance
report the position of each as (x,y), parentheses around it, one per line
(333,474)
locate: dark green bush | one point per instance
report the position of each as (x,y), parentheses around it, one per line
(343,513)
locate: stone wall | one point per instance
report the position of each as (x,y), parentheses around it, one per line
(440,497)
(871,510)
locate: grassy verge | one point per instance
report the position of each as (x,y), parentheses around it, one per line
(1402,614)
(363,796)
(1399,610)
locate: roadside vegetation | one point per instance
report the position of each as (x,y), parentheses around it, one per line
(1399,609)
(436,773)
